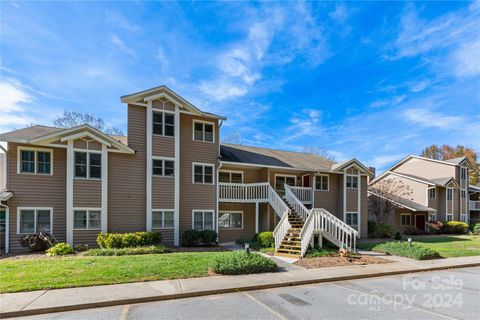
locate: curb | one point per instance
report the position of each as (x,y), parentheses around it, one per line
(23,313)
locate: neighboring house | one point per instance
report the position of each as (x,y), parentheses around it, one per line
(474,205)
(171,174)
(439,191)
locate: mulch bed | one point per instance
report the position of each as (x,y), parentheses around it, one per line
(337,261)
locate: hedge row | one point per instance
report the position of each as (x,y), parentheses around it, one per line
(128,240)
(404,249)
(126,251)
(240,262)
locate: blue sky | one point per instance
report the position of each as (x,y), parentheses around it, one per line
(371,80)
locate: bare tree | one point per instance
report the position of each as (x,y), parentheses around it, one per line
(383,194)
(233,138)
(319,151)
(72,118)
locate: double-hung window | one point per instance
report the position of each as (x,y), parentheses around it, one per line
(449,194)
(87,219)
(203,173)
(230,220)
(321,183)
(35,161)
(463,194)
(230,176)
(32,220)
(203,131)
(406,219)
(431,193)
(88,165)
(463,173)
(163,167)
(352,182)
(352,218)
(203,220)
(280,182)
(163,123)
(162,219)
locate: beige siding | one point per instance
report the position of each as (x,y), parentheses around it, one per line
(85,237)
(426,169)
(195,196)
(435,203)
(250,175)
(163,146)
(328,200)
(87,193)
(248,230)
(167,235)
(352,200)
(37,191)
(341,190)
(163,192)
(127,178)
(418,189)
(2,170)
(163,104)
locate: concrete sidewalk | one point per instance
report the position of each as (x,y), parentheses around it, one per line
(46,301)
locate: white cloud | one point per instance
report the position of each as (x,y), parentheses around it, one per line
(388,102)
(432,119)
(306,124)
(118,42)
(115,19)
(419,85)
(467,59)
(340,14)
(11,96)
(222,90)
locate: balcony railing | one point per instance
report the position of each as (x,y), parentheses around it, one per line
(474,205)
(304,194)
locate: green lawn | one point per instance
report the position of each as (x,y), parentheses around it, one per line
(42,273)
(447,246)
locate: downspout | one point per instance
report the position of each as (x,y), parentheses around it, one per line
(218,179)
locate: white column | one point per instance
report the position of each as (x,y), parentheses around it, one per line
(148,205)
(176,217)
(104,188)
(69,212)
(257,217)
(359,203)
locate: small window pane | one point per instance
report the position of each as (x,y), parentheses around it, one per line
(279,183)
(168,219)
(43,159)
(80,164)
(236,220)
(236,177)
(208,174)
(27,161)
(95,172)
(169,168)
(208,223)
(158,123)
(43,221)
(198,220)
(169,125)
(80,158)
(208,132)
(198,131)
(158,128)
(224,220)
(198,174)
(224,176)
(27,221)
(157,219)
(94,219)
(95,159)
(80,219)
(157,167)
(290,181)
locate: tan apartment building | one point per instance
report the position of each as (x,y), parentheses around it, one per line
(170,174)
(438,191)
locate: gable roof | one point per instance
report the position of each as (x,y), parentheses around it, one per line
(43,134)
(441,182)
(404,203)
(164,91)
(249,155)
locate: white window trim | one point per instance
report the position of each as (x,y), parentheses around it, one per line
(283,175)
(88,164)
(88,218)
(163,167)
(156,110)
(430,217)
(35,217)
(203,137)
(203,218)
(352,175)
(449,215)
(35,150)
(358,218)
(315,182)
(464,217)
(405,214)
(230,171)
(204,165)
(230,211)
(435,193)
(163,219)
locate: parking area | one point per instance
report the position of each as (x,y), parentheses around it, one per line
(452,294)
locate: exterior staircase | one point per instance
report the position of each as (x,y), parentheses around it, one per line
(291,246)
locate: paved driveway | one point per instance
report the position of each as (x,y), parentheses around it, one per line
(433,295)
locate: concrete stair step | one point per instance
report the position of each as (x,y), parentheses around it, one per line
(286,255)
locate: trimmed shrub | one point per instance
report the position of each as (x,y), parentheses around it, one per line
(403,249)
(191,238)
(397,236)
(126,251)
(384,231)
(372,228)
(240,262)
(265,239)
(128,240)
(413,231)
(208,236)
(320,252)
(476,228)
(81,247)
(455,227)
(60,249)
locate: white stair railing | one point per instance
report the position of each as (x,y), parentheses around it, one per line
(297,205)
(335,229)
(304,194)
(307,232)
(281,229)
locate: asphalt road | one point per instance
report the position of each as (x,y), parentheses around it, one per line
(449,294)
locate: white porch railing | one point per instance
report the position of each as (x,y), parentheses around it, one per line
(304,194)
(281,229)
(297,205)
(474,205)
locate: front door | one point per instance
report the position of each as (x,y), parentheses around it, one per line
(306,180)
(420,221)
